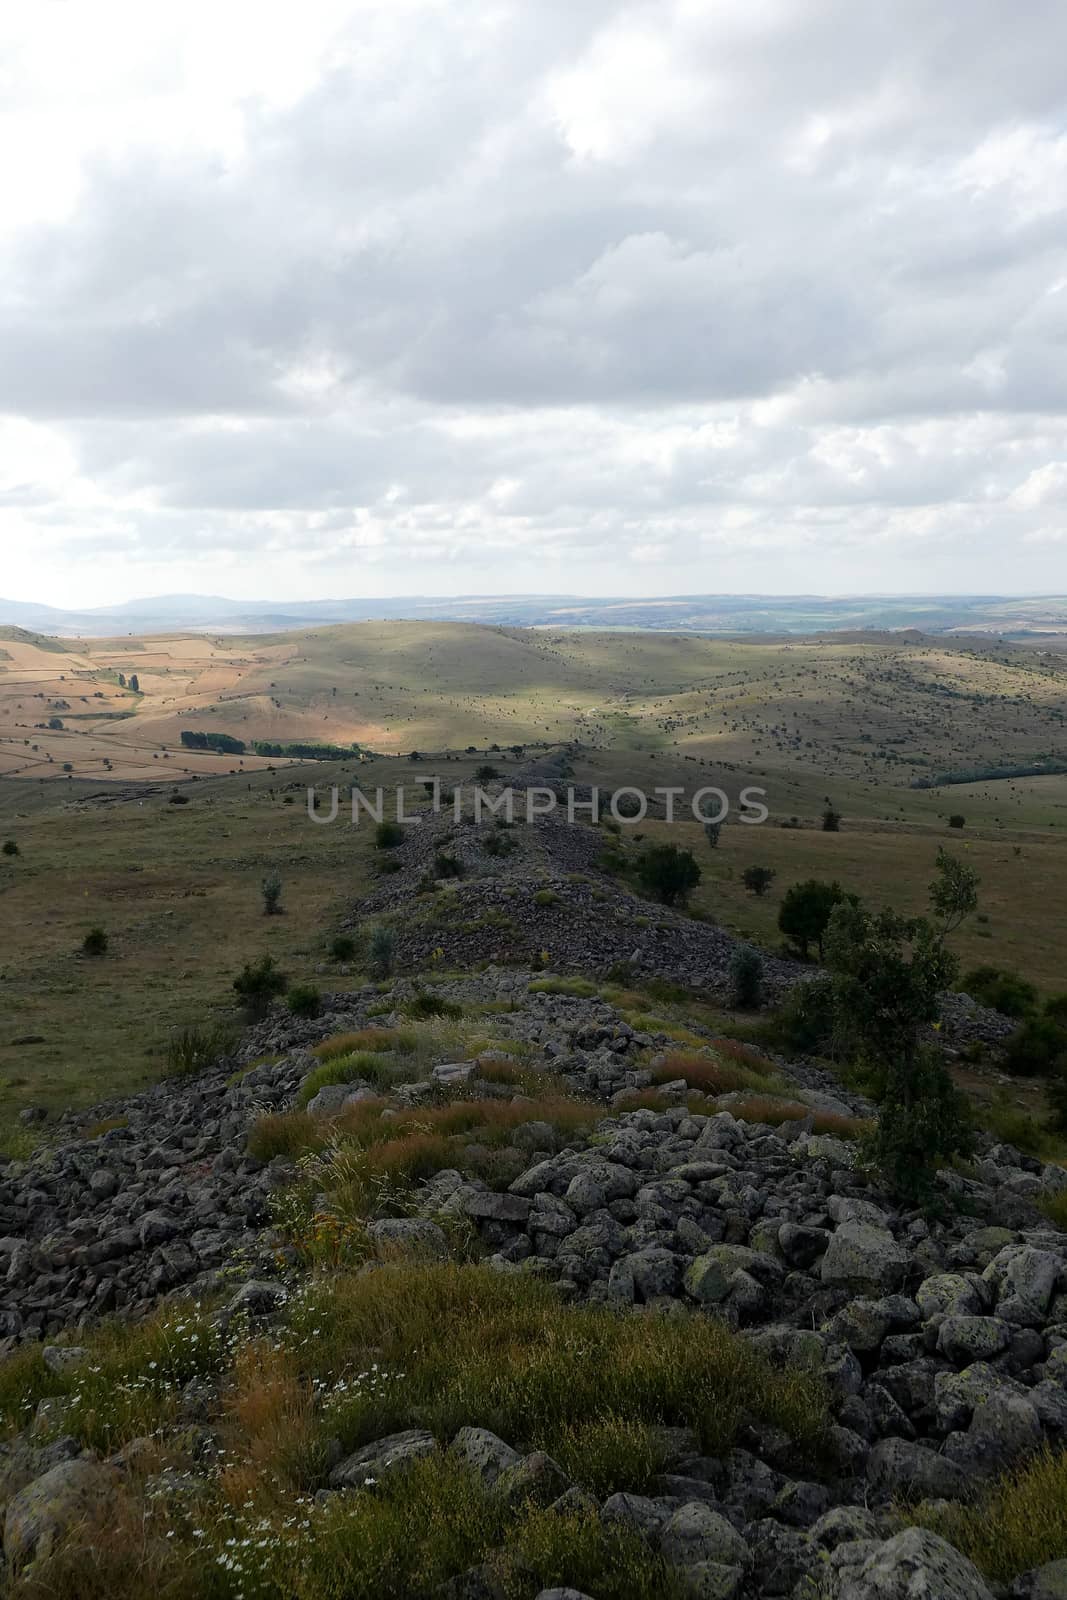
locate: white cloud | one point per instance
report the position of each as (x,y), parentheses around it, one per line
(478,295)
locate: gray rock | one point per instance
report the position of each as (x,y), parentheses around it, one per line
(409,1236)
(1043,1583)
(915,1565)
(535,1477)
(367,1466)
(896,1467)
(860,1255)
(486,1454)
(73,1495)
(966,1339)
(697,1533)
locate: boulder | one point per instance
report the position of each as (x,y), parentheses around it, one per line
(860,1256)
(72,1496)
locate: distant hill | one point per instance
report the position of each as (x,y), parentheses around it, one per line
(1018,617)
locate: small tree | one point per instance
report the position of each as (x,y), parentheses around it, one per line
(485,773)
(271,890)
(257,984)
(304,1000)
(953,893)
(343,948)
(10,848)
(95,942)
(888,973)
(380,951)
(712,831)
(134,684)
(387,835)
(757,880)
(55,722)
(831,820)
(668,873)
(956,820)
(804,914)
(746,978)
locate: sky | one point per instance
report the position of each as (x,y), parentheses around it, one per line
(491,296)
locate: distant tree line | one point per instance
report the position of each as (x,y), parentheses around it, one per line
(305,752)
(1024,769)
(224,742)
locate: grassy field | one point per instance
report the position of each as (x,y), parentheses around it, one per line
(176,887)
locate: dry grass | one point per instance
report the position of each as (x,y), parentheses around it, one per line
(1019,1524)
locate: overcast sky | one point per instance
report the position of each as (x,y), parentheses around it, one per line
(475,296)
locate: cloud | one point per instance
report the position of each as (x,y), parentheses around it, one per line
(662,295)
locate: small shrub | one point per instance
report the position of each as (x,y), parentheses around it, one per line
(1037,1049)
(1003,991)
(957,820)
(343,948)
(546,897)
(95,942)
(191,1049)
(271,890)
(668,872)
(485,773)
(428,1004)
(447,866)
(746,978)
(387,835)
(380,951)
(257,984)
(10,848)
(757,880)
(831,820)
(304,1000)
(499,844)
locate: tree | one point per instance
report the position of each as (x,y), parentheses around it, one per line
(804,914)
(380,951)
(953,893)
(831,820)
(257,984)
(95,942)
(757,880)
(134,684)
(485,773)
(956,820)
(887,974)
(271,890)
(55,722)
(746,978)
(387,835)
(668,873)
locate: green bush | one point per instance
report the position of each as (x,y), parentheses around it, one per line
(1037,1049)
(757,880)
(668,872)
(387,835)
(257,984)
(343,948)
(304,1000)
(1003,991)
(806,1020)
(271,890)
(380,951)
(196,1046)
(831,820)
(957,820)
(95,942)
(428,1004)
(805,912)
(10,848)
(447,866)
(746,978)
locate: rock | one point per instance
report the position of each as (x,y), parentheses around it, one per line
(950,1294)
(366,1466)
(1043,1583)
(711,1580)
(966,1339)
(1024,1279)
(535,1477)
(697,1533)
(409,1236)
(489,1207)
(915,1565)
(843,1524)
(898,1467)
(62,1358)
(71,1495)
(860,1255)
(329,1100)
(487,1455)
(255,1299)
(637,1512)
(802,1246)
